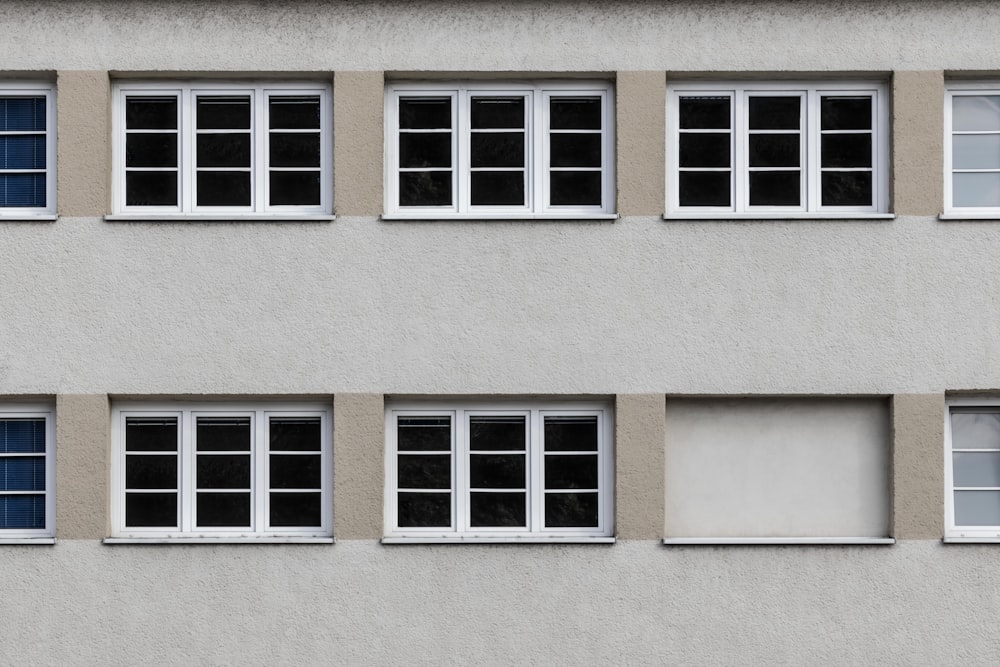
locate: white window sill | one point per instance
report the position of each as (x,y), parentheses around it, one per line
(512,217)
(717,541)
(38,541)
(991,216)
(28,217)
(971,540)
(831,216)
(218,540)
(479,539)
(232,217)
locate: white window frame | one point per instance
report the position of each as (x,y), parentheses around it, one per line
(48,91)
(537,95)
(187,208)
(47,534)
(186,413)
(811,92)
(535,411)
(951,211)
(952,531)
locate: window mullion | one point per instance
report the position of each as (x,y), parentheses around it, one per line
(461,143)
(740,123)
(187,464)
(812,125)
(187,128)
(538,126)
(259,166)
(536,491)
(460,482)
(258,463)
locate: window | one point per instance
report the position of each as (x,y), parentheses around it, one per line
(27,150)
(777,470)
(972,471)
(498,471)
(27,473)
(972,150)
(222,149)
(205,470)
(501,150)
(777,150)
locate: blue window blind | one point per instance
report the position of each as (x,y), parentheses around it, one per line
(22,152)
(22,473)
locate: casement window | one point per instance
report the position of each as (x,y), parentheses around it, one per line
(972,150)
(777,471)
(760,149)
(27,473)
(213,149)
(500,150)
(497,471)
(972,471)
(217,471)
(27,150)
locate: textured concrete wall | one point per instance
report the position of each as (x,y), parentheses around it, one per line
(359,444)
(83,467)
(641,118)
(917,142)
(640,437)
(918,466)
(358,103)
(83,115)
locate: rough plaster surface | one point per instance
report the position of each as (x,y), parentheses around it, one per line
(83,437)
(641,151)
(358,453)
(358,107)
(640,434)
(83,141)
(918,142)
(918,466)
(360,603)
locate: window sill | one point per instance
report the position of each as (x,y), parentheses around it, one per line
(971,540)
(511,217)
(831,216)
(218,540)
(721,541)
(28,217)
(985,217)
(480,539)
(234,217)
(36,541)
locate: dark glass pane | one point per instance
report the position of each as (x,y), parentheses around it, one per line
(290,471)
(22,190)
(571,471)
(151,113)
(497,149)
(497,471)
(425,188)
(223,434)
(294,188)
(151,509)
(497,112)
(293,113)
(704,188)
(300,510)
(424,471)
(151,472)
(22,114)
(571,510)
(497,188)
(22,152)
(23,473)
(150,435)
(423,510)
(575,150)
(571,434)
(22,511)
(224,150)
(497,433)
(295,434)
(424,150)
(704,150)
(851,188)
(575,188)
(223,113)
(775,113)
(151,150)
(22,436)
(294,150)
(223,510)
(423,434)
(575,113)
(228,471)
(775,188)
(151,188)
(704,113)
(774,150)
(425,113)
(846,150)
(846,113)
(223,188)
(499,510)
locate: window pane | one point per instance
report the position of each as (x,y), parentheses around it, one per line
(295,434)
(975,113)
(499,510)
(22,511)
(978,151)
(427,471)
(704,188)
(497,188)
(22,114)
(497,433)
(425,188)
(294,188)
(223,434)
(27,190)
(151,188)
(497,149)
(151,509)
(299,510)
(575,188)
(425,113)
(976,189)
(704,113)
(977,508)
(775,113)
(775,188)
(151,150)
(295,471)
(846,150)
(847,188)
(704,150)
(223,471)
(497,112)
(575,150)
(571,510)
(151,113)
(424,150)
(566,434)
(846,113)
(575,113)
(571,471)
(22,152)
(424,510)
(293,150)
(23,473)
(976,468)
(223,510)
(223,113)
(151,472)
(497,471)
(975,430)
(22,436)
(223,188)
(422,434)
(774,150)
(293,113)
(224,150)
(150,435)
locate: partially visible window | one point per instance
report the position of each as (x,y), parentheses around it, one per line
(777,149)
(972,149)
(499,470)
(27,473)
(206,470)
(500,149)
(222,149)
(972,471)
(27,150)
